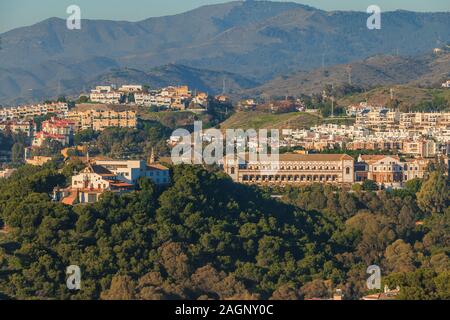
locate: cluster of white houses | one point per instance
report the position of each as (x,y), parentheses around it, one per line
(383,118)
(173,97)
(427,143)
(31,111)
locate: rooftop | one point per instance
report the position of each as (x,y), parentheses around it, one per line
(295,157)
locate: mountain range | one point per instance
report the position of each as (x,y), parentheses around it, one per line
(428,70)
(252,41)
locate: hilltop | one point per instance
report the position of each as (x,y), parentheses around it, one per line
(407,98)
(174,74)
(261,120)
(258,40)
(428,70)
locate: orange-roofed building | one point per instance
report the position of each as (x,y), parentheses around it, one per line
(292,169)
(117,176)
(383,169)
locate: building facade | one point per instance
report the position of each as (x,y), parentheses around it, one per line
(99,120)
(383,169)
(130,171)
(390,170)
(55,129)
(106,95)
(116,176)
(31,111)
(27,127)
(292,169)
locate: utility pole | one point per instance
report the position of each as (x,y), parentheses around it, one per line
(323,62)
(332,107)
(224,86)
(350,74)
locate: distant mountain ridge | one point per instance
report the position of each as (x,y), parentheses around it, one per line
(428,70)
(256,39)
(212,82)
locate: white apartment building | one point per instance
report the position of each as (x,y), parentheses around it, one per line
(377,119)
(144,99)
(31,111)
(422,148)
(129,171)
(106,95)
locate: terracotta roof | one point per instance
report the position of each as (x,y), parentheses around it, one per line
(156,166)
(70,200)
(293,157)
(92,168)
(314,157)
(121,185)
(377,157)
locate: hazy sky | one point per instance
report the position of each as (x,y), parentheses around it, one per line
(17,13)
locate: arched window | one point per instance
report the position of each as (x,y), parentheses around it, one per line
(233,170)
(347,170)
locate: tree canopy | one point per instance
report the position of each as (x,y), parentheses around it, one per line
(205,237)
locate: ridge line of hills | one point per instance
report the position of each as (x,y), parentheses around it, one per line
(257,41)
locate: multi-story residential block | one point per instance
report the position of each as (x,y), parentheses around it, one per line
(292,169)
(170,97)
(55,129)
(422,120)
(144,99)
(106,95)
(40,137)
(31,111)
(378,119)
(378,144)
(27,127)
(385,119)
(421,148)
(100,119)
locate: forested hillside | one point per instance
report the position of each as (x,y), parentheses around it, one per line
(207,237)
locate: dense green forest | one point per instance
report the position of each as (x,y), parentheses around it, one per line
(205,237)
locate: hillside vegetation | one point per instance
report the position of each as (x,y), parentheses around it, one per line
(262,120)
(205,237)
(428,70)
(406,98)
